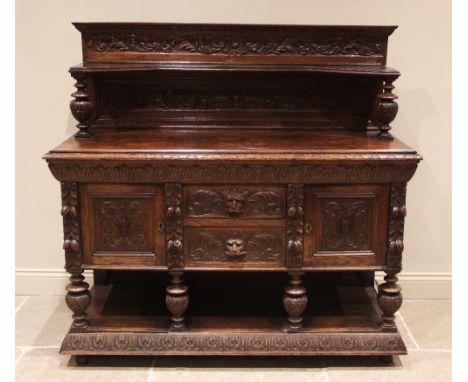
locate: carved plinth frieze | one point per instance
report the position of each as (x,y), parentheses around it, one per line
(82,106)
(305,343)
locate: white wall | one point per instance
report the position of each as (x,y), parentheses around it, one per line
(47,45)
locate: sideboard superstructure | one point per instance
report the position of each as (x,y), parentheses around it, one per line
(236,188)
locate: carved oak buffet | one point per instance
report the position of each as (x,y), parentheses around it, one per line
(234,189)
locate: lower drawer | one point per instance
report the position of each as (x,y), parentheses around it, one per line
(234,247)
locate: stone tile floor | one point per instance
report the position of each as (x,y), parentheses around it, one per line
(42,321)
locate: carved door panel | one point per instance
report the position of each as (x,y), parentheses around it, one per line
(122,225)
(345,225)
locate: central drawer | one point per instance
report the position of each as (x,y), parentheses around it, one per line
(234,226)
(235,201)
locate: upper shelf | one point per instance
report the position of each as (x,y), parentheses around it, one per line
(295,46)
(129,67)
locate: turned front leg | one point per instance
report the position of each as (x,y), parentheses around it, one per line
(78,299)
(390,300)
(295,300)
(177,300)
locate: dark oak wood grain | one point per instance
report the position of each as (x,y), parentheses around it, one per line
(235,188)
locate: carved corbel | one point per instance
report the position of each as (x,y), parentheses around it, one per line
(82,106)
(78,297)
(295,225)
(389,296)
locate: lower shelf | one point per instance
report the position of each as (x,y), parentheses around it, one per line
(241,318)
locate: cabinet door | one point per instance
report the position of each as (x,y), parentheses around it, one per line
(122,225)
(345,225)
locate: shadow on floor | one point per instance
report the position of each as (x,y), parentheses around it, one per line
(221,362)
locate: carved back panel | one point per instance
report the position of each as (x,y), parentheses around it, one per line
(272,100)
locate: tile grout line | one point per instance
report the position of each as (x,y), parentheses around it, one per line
(23,352)
(21,305)
(150,371)
(410,335)
(38,347)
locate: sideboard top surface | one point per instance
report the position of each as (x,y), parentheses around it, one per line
(231,144)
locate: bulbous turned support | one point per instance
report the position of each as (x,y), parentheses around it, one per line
(295,301)
(390,300)
(78,299)
(81,107)
(386,110)
(177,300)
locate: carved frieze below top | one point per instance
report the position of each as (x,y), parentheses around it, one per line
(198,44)
(235,173)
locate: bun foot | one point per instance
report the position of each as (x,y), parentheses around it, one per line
(82,359)
(386,359)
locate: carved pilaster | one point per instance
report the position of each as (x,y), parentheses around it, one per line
(386,110)
(78,296)
(295,300)
(177,300)
(82,106)
(174,230)
(389,296)
(295,225)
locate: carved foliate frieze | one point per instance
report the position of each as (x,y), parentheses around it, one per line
(233,173)
(174,228)
(346,224)
(235,202)
(241,343)
(71,227)
(221,245)
(123,224)
(295,225)
(167,42)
